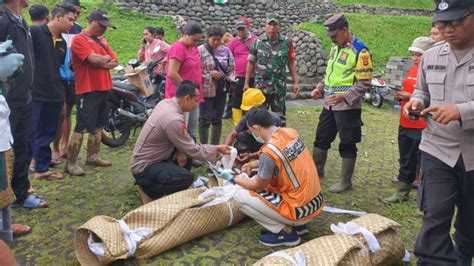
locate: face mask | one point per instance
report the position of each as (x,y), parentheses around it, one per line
(258,139)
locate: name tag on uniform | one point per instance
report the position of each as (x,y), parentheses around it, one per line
(436,67)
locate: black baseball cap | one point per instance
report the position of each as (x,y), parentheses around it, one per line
(335,23)
(449,10)
(74,3)
(101,17)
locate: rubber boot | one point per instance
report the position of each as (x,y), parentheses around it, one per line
(72,165)
(319,158)
(204,135)
(93,150)
(401,194)
(236,115)
(347,170)
(216,135)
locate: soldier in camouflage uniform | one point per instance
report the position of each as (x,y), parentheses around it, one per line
(268,57)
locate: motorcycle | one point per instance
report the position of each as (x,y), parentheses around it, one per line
(127,110)
(377,91)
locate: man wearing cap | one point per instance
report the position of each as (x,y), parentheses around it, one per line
(444,93)
(239,47)
(409,131)
(347,78)
(268,57)
(92,57)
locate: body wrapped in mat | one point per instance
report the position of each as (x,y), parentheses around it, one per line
(345,249)
(169,221)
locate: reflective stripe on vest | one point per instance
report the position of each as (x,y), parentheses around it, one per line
(312,206)
(328,90)
(340,68)
(286,164)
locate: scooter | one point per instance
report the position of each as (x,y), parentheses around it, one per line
(128,110)
(377,91)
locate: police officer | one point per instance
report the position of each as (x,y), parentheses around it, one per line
(268,58)
(348,76)
(444,93)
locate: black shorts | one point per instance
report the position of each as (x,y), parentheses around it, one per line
(238,91)
(69,93)
(91,111)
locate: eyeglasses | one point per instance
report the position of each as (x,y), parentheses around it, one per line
(454,23)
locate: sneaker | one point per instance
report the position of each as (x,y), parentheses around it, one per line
(300,230)
(281,239)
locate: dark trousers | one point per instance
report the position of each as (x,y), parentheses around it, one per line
(408,142)
(442,189)
(347,123)
(164,178)
(20,122)
(44,127)
(211,110)
(238,91)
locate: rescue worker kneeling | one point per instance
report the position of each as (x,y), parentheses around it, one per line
(285,194)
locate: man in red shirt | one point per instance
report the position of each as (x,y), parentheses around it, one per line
(409,132)
(92,58)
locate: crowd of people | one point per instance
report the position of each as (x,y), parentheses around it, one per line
(241,76)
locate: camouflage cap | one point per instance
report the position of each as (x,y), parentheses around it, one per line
(449,10)
(335,23)
(272,17)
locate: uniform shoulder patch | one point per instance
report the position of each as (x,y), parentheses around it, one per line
(364,67)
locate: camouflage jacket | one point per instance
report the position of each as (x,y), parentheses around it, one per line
(271,59)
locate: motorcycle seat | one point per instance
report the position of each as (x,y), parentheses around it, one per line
(126,86)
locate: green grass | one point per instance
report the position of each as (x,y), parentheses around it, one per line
(410,4)
(125,40)
(110,191)
(384,35)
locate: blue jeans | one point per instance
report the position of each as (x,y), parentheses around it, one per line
(191,119)
(44,126)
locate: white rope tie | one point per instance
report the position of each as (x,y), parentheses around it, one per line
(352,229)
(298,260)
(132,237)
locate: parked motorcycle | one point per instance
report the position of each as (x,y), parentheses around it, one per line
(127,110)
(377,91)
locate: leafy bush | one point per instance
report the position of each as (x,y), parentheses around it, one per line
(411,4)
(384,35)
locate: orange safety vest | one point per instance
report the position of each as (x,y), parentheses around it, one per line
(295,193)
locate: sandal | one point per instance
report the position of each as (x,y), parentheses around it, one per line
(20,229)
(55,161)
(48,175)
(35,202)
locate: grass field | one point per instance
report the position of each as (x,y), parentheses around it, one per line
(411,4)
(384,35)
(110,191)
(125,40)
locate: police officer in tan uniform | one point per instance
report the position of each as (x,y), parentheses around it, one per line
(444,94)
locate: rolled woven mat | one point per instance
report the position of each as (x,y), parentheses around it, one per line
(174,220)
(342,249)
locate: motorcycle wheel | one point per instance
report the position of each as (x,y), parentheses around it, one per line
(115,135)
(377,100)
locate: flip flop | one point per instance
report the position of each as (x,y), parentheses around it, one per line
(20,229)
(55,161)
(34,202)
(49,176)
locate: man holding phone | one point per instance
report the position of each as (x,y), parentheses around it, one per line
(445,88)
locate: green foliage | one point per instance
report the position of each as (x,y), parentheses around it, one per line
(410,4)
(125,40)
(384,35)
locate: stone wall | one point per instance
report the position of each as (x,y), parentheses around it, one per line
(311,61)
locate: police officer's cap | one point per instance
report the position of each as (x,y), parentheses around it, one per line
(449,10)
(334,23)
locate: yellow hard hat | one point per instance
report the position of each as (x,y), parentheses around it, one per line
(251,98)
